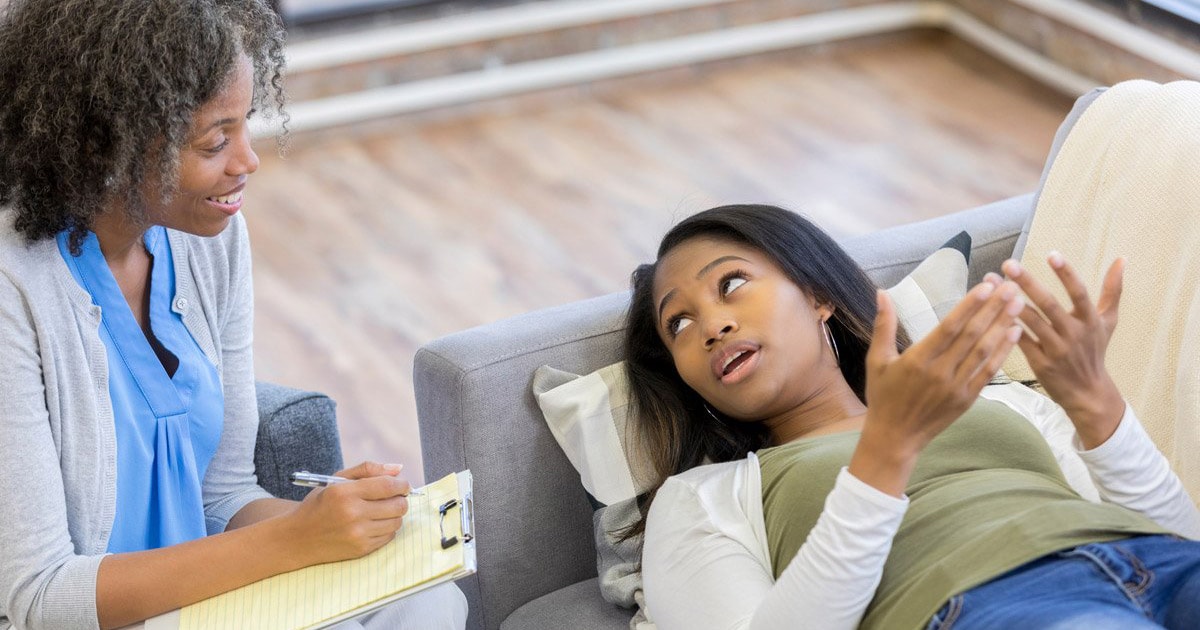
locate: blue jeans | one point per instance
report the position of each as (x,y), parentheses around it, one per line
(1141,582)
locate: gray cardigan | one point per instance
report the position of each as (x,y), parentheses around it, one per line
(57,440)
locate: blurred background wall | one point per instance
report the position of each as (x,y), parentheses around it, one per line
(451,163)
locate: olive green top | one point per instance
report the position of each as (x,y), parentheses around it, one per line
(986,497)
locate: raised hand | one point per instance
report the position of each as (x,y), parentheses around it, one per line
(349,520)
(914,396)
(1066,348)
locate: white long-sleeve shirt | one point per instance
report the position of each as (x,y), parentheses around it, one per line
(706,563)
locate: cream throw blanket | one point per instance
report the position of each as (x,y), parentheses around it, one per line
(1126,182)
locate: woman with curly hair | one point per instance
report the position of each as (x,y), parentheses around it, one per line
(127,404)
(855,479)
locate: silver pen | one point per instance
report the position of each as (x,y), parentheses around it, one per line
(314,480)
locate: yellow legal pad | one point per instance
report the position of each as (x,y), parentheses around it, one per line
(324,594)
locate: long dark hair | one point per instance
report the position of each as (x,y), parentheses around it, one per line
(675,428)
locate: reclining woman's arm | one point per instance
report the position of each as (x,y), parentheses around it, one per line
(1130,471)
(1066,353)
(699,570)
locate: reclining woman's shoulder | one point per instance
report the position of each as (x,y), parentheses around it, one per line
(721,487)
(708,474)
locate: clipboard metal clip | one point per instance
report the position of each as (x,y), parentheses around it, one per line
(465,512)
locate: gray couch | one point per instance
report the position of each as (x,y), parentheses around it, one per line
(537,559)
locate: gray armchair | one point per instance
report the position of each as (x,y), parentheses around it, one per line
(297,430)
(537,559)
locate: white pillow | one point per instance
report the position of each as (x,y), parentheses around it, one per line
(928,294)
(589,416)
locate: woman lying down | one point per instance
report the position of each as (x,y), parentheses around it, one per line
(860,479)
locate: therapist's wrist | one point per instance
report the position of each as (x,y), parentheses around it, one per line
(260,510)
(284,538)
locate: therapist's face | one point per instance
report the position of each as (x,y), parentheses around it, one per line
(214,162)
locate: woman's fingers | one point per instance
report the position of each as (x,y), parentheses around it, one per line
(883,337)
(377,488)
(970,348)
(370,469)
(947,332)
(1038,294)
(985,334)
(1002,341)
(1054,323)
(1110,293)
(1076,289)
(385,509)
(383,527)
(361,515)
(1043,332)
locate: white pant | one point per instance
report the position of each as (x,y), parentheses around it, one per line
(442,607)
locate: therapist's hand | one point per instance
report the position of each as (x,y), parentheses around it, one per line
(350,520)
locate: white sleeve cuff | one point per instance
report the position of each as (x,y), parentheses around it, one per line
(1130,471)
(869,494)
(1128,435)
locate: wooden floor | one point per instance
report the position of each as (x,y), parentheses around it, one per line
(369,245)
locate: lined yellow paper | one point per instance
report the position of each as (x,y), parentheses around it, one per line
(306,598)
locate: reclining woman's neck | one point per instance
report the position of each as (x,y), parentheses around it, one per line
(832,409)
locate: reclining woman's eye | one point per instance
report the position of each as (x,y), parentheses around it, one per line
(676,324)
(731,282)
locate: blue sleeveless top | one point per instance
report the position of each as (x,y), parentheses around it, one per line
(167,425)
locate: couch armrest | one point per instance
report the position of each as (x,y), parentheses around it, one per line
(297,430)
(476,410)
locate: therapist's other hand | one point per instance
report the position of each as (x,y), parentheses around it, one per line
(1067,348)
(350,520)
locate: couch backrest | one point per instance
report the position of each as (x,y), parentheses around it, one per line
(476,410)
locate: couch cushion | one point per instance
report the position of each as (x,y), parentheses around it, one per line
(578,607)
(297,430)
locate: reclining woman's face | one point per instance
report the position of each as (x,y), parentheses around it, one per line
(741,333)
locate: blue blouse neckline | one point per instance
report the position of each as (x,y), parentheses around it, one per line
(167,426)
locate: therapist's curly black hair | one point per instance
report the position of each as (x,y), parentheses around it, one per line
(98,96)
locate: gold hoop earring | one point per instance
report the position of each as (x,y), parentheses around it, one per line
(831,342)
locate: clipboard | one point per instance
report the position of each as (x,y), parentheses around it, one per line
(435,545)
